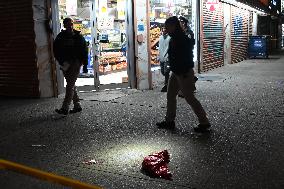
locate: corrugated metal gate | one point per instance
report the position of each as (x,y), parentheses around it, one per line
(18,67)
(239,33)
(250,23)
(212,35)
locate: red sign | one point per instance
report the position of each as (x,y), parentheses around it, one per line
(212,5)
(265,2)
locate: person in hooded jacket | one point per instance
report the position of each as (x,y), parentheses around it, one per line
(71,51)
(182,78)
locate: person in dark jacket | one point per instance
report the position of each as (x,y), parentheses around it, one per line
(70,50)
(186,28)
(182,77)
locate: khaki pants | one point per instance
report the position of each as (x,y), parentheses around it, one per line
(185,83)
(71,75)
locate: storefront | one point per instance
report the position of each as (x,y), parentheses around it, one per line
(212,35)
(240,22)
(239,33)
(103,21)
(160,10)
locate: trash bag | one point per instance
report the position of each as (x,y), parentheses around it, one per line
(156,165)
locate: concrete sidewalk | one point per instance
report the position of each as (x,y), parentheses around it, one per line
(117,129)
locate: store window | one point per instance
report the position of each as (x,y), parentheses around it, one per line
(160,11)
(111,31)
(79,11)
(110,34)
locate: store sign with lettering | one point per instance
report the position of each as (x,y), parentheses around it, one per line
(212,5)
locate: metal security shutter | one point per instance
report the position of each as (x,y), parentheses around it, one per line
(18,67)
(239,34)
(212,36)
(250,23)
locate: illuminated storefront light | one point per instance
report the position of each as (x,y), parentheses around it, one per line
(244,6)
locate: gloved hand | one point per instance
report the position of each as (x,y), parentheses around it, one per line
(85,69)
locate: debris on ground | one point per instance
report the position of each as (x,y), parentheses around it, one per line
(156,165)
(90,162)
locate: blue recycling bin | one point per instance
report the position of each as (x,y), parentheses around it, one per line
(258,46)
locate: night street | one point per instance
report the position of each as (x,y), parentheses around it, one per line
(116,129)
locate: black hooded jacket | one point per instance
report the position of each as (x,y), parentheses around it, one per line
(70,46)
(180,53)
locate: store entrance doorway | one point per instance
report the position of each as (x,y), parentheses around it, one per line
(102,23)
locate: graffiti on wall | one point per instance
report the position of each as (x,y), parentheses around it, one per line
(238,24)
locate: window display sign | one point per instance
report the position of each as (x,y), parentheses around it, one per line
(105,23)
(71,7)
(121,9)
(103,7)
(212,5)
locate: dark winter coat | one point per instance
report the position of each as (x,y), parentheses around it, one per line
(180,53)
(70,46)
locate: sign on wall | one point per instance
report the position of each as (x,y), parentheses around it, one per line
(212,5)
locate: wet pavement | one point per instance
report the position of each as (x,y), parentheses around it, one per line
(116,129)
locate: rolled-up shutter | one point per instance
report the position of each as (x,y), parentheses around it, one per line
(18,65)
(239,34)
(212,35)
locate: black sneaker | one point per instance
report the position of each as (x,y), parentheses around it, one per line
(61,111)
(164,89)
(75,110)
(195,79)
(202,128)
(166,124)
